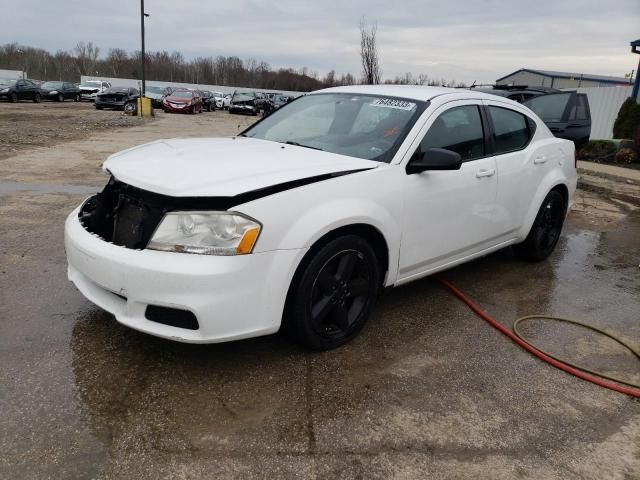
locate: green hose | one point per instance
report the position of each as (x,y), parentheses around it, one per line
(579,367)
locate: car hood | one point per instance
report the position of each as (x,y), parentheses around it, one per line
(222,166)
(155,96)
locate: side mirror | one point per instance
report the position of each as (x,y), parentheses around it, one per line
(435,159)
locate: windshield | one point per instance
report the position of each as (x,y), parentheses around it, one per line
(182,94)
(155,90)
(6,81)
(90,84)
(362,126)
(52,85)
(244,96)
(550,108)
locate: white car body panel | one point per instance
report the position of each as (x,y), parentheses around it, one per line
(239,165)
(430,221)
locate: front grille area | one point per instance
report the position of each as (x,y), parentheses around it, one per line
(123,215)
(127,216)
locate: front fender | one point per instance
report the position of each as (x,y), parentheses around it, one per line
(296,219)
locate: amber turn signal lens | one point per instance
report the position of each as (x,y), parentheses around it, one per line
(248,241)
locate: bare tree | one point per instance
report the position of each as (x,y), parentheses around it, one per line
(86,57)
(117,59)
(369,53)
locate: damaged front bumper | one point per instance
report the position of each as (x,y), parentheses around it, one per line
(229,297)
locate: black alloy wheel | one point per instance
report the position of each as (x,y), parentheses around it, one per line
(333,293)
(36,98)
(545,232)
(14,97)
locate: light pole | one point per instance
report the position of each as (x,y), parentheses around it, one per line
(142,15)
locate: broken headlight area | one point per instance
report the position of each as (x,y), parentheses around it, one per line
(134,218)
(122,215)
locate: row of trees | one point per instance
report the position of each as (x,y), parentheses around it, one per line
(88,59)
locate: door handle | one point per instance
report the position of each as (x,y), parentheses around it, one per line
(539,160)
(485,173)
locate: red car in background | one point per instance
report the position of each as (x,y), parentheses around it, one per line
(182,101)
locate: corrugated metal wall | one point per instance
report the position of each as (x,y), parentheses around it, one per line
(131,82)
(605,103)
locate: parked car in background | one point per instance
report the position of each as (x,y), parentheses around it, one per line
(90,89)
(59,91)
(260,99)
(566,113)
(118,98)
(157,94)
(244,102)
(219,99)
(208,100)
(226,101)
(183,100)
(22,89)
(328,201)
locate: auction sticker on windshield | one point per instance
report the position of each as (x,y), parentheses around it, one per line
(393,103)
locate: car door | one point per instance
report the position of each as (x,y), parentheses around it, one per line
(566,114)
(521,163)
(21,90)
(449,215)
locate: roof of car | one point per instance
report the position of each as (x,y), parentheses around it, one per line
(414,92)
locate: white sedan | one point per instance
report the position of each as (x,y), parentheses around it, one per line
(222,100)
(301,220)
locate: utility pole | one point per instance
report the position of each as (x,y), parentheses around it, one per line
(142,15)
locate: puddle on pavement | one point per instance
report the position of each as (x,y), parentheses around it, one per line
(12,187)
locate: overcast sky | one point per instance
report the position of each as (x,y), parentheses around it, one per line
(462,40)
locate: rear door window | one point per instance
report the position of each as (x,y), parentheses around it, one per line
(459,129)
(550,108)
(510,130)
(579,110)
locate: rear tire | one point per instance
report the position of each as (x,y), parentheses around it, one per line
(76,98)
(332,294)
(545,231)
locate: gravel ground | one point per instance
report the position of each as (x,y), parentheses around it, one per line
(26,125)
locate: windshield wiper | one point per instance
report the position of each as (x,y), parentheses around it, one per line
(297,144)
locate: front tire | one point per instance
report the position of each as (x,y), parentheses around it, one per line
(60,97)
(545,231)
(333,293)
(14,97)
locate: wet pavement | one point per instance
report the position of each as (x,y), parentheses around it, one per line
(428,390)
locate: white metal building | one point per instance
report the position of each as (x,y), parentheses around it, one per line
(548,78)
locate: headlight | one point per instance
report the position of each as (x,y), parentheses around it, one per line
(4,90)
(207,233)
(53,92)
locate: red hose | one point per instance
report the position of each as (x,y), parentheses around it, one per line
(573,371)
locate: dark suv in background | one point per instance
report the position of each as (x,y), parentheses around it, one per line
(566,113)
(208,100)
